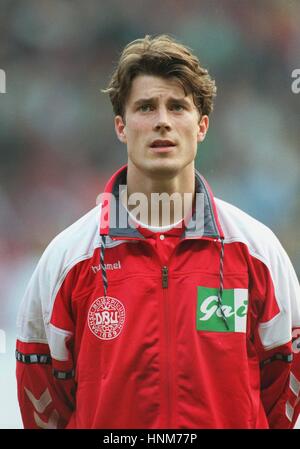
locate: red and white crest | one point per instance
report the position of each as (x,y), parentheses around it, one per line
(106,317)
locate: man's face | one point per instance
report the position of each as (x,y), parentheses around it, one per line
(162,126)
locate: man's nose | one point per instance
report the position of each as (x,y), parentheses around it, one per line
(162,120)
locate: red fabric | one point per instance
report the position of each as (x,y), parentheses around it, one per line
(160,371)
(179,377)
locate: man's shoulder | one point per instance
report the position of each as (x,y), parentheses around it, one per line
(77,241)
(73,245)
(239,226)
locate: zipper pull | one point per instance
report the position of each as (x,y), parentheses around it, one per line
(164,277)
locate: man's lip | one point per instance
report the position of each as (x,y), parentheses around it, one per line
(162,149)
(161,143)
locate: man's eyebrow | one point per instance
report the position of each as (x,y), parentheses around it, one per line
(153,99)
(182,100)
(143,100)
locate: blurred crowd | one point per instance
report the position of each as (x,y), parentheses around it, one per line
(57,141)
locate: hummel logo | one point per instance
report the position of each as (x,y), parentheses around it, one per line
(108,266)
(40,406)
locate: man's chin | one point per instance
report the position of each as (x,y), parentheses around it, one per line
(163,168)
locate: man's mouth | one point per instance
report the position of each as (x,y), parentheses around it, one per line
(162,146)
(162,143)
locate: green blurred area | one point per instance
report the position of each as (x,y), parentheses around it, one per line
(57,140)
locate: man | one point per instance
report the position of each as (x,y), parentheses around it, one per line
(154,320)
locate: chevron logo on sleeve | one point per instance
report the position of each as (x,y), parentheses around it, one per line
(40,406)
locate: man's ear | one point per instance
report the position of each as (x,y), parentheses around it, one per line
(203,127)
(120,128)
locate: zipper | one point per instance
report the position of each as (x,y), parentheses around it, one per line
(165,277)
(168,347)
(167,339)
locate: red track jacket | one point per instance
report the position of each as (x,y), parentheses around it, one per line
(111,336)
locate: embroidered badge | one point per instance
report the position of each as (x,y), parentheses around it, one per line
(106,317)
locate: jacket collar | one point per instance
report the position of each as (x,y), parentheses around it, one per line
(115,219)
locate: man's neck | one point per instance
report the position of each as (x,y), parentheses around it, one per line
(161,200)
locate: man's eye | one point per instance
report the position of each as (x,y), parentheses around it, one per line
(146,107)
(177,107)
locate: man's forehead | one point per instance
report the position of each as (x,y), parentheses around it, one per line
(154,87)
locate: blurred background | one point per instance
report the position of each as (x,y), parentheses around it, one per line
(57,140)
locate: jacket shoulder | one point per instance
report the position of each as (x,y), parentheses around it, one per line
(78,239)
(74,244)
(264,246)
(238,226)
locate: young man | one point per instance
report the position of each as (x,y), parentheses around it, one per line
(188,319)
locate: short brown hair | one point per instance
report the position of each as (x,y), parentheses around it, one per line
(161,56)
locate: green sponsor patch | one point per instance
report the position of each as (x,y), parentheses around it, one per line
(234,306)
